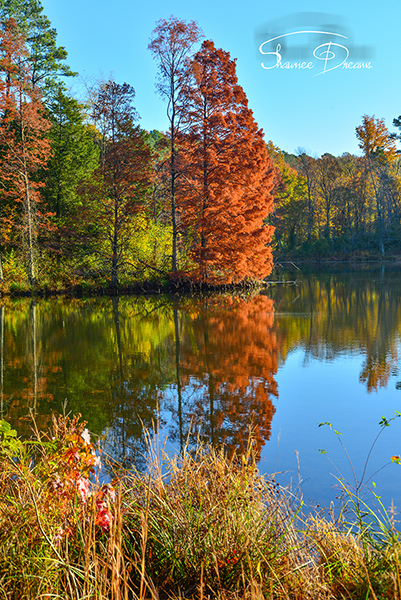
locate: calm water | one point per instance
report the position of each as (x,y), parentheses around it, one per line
(325,349)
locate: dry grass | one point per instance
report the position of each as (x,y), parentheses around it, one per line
(200,525)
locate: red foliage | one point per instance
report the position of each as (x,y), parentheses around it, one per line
(229,175)
(23,126)
(70,461)
(22,134)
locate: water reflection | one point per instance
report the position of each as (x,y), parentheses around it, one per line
(228,360)
(204,365)
(333,315)
(197,365)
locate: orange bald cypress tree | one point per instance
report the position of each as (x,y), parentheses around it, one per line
(229,176)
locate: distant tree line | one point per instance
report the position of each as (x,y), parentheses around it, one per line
(340,206)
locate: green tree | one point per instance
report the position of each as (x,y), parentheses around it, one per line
(159,144)
(307,168)
(290,194)
(75,155)
(120,186)
(46,57)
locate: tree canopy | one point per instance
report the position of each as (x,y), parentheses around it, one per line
(228,175)
(88,197)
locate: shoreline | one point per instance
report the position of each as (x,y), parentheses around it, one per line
(144,288)
(185,287)
(204,526)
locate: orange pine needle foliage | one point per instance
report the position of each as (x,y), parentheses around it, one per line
(225,195)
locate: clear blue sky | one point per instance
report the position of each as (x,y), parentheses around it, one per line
(295,108)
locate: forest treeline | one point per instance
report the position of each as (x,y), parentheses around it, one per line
(340,207)
(89,199)
(87,196)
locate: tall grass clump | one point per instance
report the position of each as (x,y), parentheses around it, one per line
(201,524)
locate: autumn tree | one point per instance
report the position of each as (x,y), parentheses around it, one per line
(328,173)
(289,193)
(351,209)
(338,213)
(159,205)
(228,175)
(171,44)
(379,151)
(24,147)
(307,168)
(122,181)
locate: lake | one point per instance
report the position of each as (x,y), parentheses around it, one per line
(279,363)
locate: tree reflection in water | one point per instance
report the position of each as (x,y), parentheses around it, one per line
(228,361)
(195,365)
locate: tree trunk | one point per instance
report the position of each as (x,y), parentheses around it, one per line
(173,200)
(30,234)
(114,259)
(2,361)
(378,206)
(29,212)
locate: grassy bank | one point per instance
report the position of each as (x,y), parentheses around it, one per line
(200,525)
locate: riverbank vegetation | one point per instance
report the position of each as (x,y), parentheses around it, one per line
(89,200)
(201,525)
(345,207)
